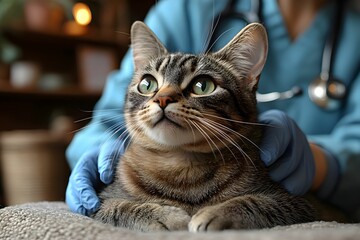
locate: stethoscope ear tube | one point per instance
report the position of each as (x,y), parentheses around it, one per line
(326,91)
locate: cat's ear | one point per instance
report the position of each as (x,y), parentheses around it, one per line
(145,45)
(247,52)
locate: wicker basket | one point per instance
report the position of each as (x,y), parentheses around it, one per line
(33,166)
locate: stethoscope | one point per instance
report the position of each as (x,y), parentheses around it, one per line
(325,91)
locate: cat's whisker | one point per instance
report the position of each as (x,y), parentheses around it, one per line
(230,140)
(104,118)
(113,129)
(106,113)
(217,39)
(101,122)
(206,137)
(116,145)
(237,121)
(133,133)
(127,140)
(221,133)
(119,110)
(135,130)
(241,137)
(123,33)
(192,130)
(211,31)
(124,136)
(225,128)
(214,133)
(83,119)
(234,132)
(112,132)
(211,140)
(98,115)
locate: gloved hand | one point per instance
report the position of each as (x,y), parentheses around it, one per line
(286,152)
(95,168)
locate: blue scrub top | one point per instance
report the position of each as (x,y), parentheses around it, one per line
(184,25)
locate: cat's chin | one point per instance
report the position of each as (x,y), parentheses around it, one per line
(171,134)
(167,124)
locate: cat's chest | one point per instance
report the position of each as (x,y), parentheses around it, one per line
(192,181)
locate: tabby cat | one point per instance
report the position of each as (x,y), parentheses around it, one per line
(193,162)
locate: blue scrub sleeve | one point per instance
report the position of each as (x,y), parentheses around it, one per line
(107,117)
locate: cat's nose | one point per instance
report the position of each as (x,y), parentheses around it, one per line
(163,101)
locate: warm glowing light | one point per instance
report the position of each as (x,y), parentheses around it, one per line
(82,14)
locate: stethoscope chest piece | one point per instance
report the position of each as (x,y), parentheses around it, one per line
(327,94)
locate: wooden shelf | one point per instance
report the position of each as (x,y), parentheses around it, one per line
(92,36)
(56,51)
(32,108)
(70,93)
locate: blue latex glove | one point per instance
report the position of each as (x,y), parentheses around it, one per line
(286,152)
(95,168)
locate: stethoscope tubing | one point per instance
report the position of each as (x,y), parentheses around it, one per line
(329,52)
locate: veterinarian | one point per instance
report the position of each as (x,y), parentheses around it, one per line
(308,91)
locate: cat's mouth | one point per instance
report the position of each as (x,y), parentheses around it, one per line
(165,121)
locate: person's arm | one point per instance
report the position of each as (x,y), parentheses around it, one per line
(338,156)
(321,166)
(107,117)
(327,171)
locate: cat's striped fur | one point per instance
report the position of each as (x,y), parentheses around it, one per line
(193,162)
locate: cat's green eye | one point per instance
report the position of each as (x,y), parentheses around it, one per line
(148,85)
(203,86)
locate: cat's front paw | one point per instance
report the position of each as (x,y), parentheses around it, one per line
(210,218)
(144,217)
(168,218)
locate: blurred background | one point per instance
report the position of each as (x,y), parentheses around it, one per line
(54,59)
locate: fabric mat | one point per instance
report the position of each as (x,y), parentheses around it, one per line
(53,220)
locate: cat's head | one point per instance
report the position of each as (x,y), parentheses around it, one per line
(194,102)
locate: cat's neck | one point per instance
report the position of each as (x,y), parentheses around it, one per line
(195,176)
(180,158)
